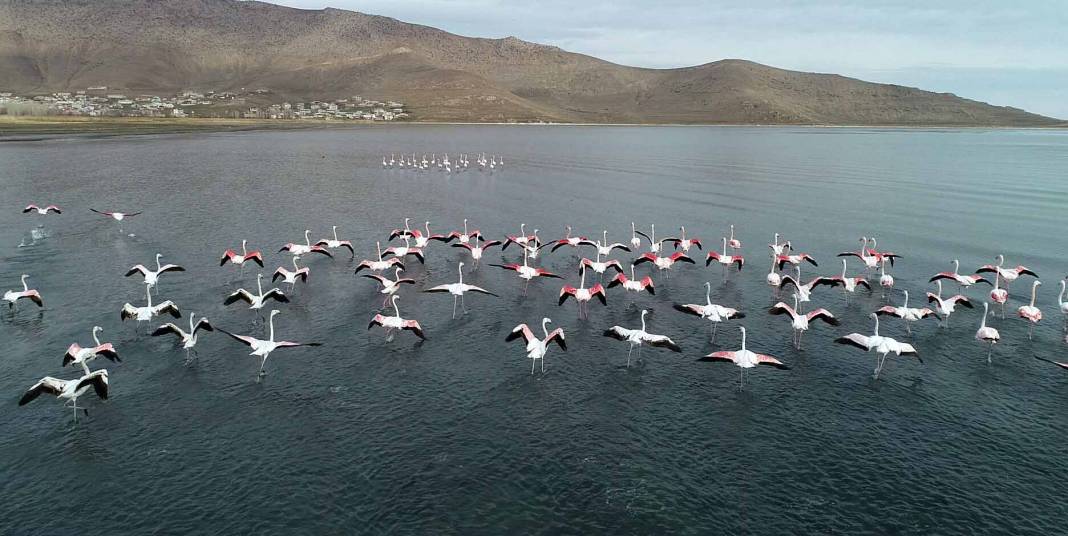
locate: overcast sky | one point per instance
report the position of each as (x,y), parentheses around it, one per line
(1003,52)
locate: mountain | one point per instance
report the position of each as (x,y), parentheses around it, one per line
(171,45)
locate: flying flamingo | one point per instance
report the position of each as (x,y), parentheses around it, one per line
(292,276)
(465,236)
(794,259)
(69,390)
(306,247)
(458,290)
(336,243)
(724,259)
(391,323)
(947,306)
(381,264)
(850,283)
(12,297)
(263,348)
(233,257)
(662,263)
(880,255)
(406,231)
(734,243)
(637,337)
(188,339)
(117,216)
(605,249)
(533,247)
(1030,312)
(987,334)
(152,276)
(745,359)
(600,267)
(633,284)
(684,243)
(963,281)
(477,248)
(421,240)
(42,211)
(1008,274)
(582,294)
(77,355)
(777,248)
(537,348)
(712,312)
(906,313)
(800,321)
(149,311)
(400,252)
(883,346)
(572,241)
(259,300)
(522,239)
(803,291)
(526,272)
(654,244)
(870,261)
(390,286)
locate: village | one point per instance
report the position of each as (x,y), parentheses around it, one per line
(102,101)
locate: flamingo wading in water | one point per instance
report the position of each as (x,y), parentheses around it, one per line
(745,359)
(712,312)
(458,290)
(882,346)
(537,348)
(263,348)
(638,337)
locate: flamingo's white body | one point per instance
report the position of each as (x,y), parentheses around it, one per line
(152,276)
(712,312)
(945,307)
(77,355)
(800,321)
(632,283)
(149,311)
(882,346)
(745,359)
(69,390)
(259,300)
(964,281)
(638,337)
(1029,312)
(537,348)
(604,249)
(684,243)
(662,263)
(725,259)
(1063,305)
(422,240)
(850,283)
(291,276)
(400,252)
(390,286)
(906,313)
(395,321)
(12,297)
(187,339)
(336,243)
(263,348)
(654,244)
(458,290)
(381,264)
(886,281)
(306,247)
(734,243)
(635,242)
(987,334)
(233,257)
(598,266)
(477,248)
(582,294)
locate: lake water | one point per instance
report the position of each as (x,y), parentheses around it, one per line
(455,435)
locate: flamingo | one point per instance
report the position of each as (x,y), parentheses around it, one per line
(999,295)
(1063,305)
(117,216)
(1058,363)
(477,248)
(732,242)
(963,281)
(803,291)
(406,231)
(232,256)
(870,261)
(883,346)
(390,286)
(885,280)
(745,359)
(533,247)
(259,300)
(710,311)
(794,259)
(421,240)
(906,313)
(306,247)
(12,297)
(537,348)
(637,337)
(42,211)
(773,278)
(458,290)
(600,267)
(263,348)
(381,264)
(635,242)
(777,248)
(465,236)
(632,283)
(188,339)
(850,283)
(1008,274)
(986,334)
(605,249)
(405,250)
(800,321)
(880,255)
(682,242)
(572,241)
(946,307)
(522,239)
(1030,312)
(525,271)
(662,263)
(292,276)
(724,259)
(336,243)
(152,276)
(582,294)
(149,311)
(391,323)
(77,355)
(69,390)
(654,244)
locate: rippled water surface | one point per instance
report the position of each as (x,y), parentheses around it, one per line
(455,435)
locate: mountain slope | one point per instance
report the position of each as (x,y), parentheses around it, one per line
(169,45)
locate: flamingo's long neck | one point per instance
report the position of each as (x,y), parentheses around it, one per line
(906,306)
(158,266)
(877,325)
(335,233)
(244,250)
(582,277)
(939,283)
(743,339)
(1060,297)
(307,239)
(986,309)
(544,327)
(882,268)
(295,267)
(95,338)
(956,266)
(1034,288)
(724,245)
(25,287)
(732,232)
(396,310)
(708,293)
(259,284)
(643,320)
(460,268)
(632,271)
(465,226)
(378,246)
(148,294)
(683,230)
(271,338)
(191,316)
(843,268)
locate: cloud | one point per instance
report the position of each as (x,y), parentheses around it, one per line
(972,48)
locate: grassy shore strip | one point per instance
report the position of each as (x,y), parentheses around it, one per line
(14,128)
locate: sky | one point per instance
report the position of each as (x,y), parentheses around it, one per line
(1011,53)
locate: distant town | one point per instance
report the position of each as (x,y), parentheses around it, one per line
(255,104)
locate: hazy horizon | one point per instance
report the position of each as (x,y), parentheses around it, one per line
(1007,56)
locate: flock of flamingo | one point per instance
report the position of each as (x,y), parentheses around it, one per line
(409,244)
(460,163)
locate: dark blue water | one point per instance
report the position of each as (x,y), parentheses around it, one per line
(455,435)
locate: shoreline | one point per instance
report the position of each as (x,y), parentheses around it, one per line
(13,129)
